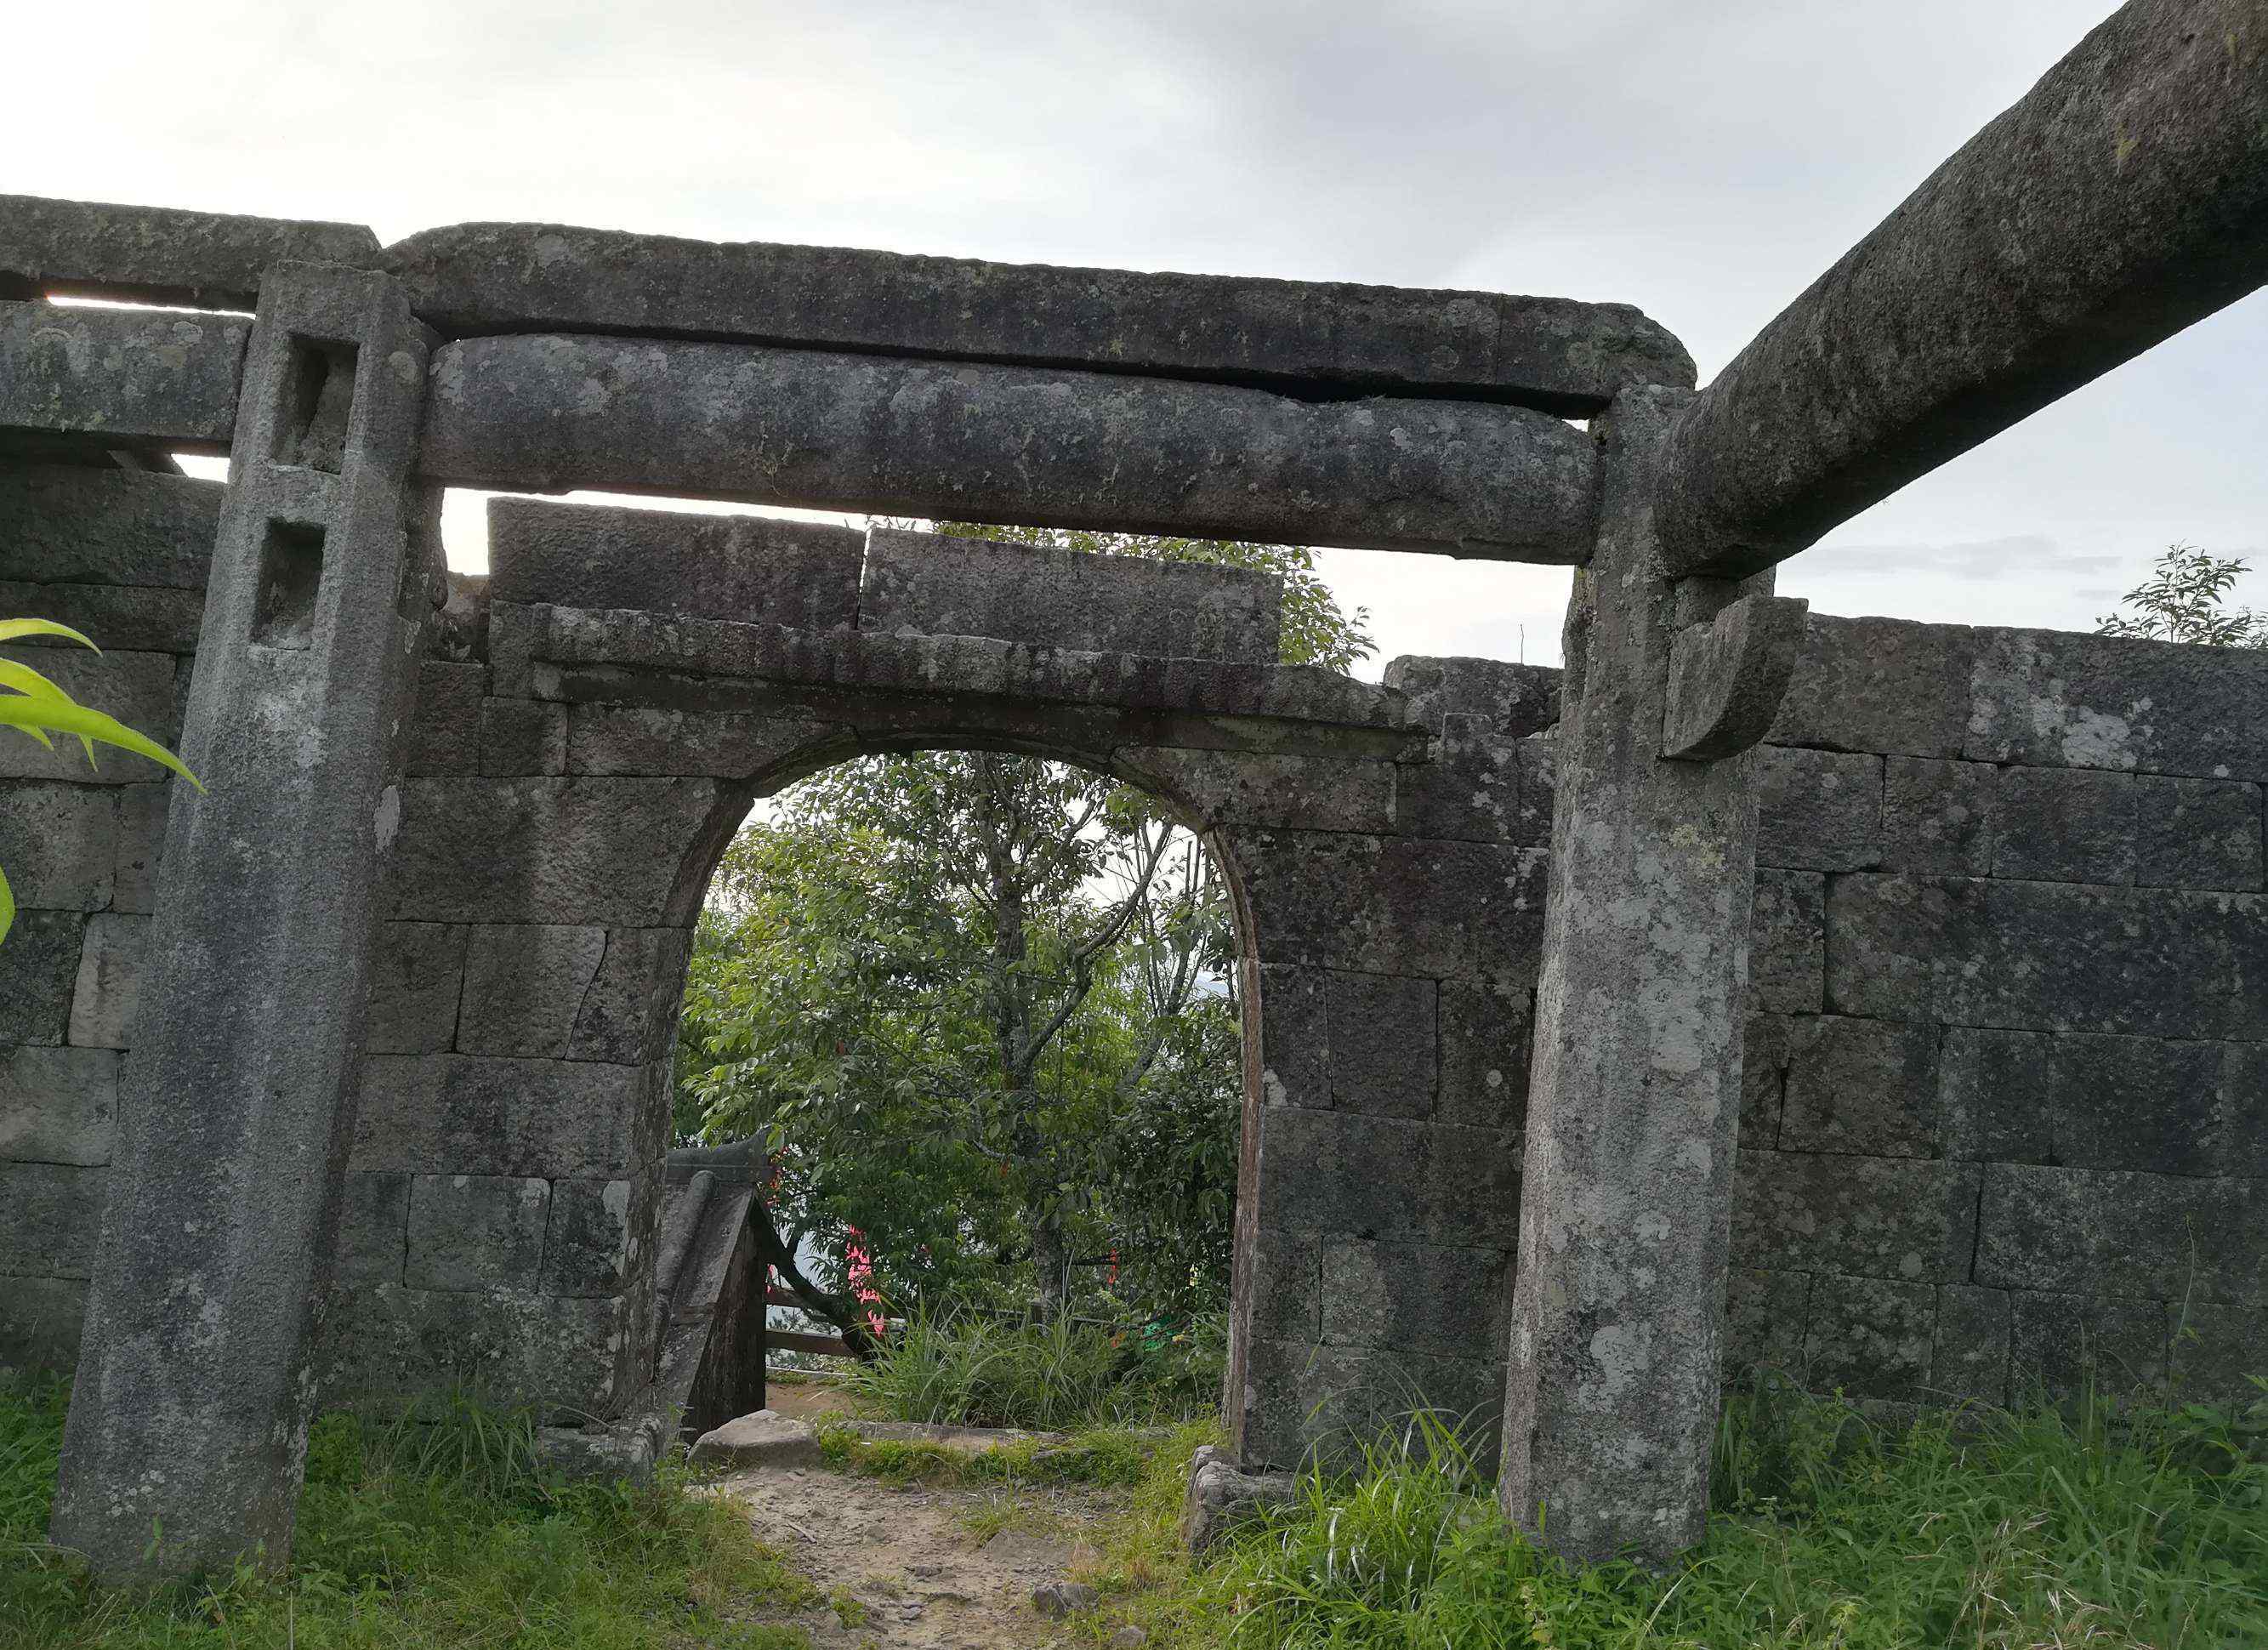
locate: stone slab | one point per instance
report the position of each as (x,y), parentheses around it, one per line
(2090,1231)
(754,569)
(58,844)
(120,375)
(373,1228)
(1787,943)
(2057,699)
(416,976)
(1212,787)
(475,1231)
(2196,834)
(926,583)
(75,524)
(2062,1346)
(137,688)
(2065,825)
(1938,816)
(521,736)
(1765,1312)
(142,618)
(1969,1360)
(1416,1297)
(109,983)
(1818,810)
(1039,446)
(39,970)
(618,739)
(58,1105)
(1562,355)
(50,1216)
(459,1114)
(588,1245)
(1867,1086)
(1888,686)
(1870,1337)
(524,987)
(162,254)
(1512,700)
(1895,1219)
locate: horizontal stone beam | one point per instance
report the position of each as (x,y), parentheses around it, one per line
(1310,337)
(524,638)
(826,431)
(2123,198)
(75,524)
(120,374)
(159,254)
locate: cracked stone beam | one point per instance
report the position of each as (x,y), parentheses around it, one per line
(1044,447)
(2123,198)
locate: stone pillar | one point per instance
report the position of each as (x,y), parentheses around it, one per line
(1611,1392)
(189,1417)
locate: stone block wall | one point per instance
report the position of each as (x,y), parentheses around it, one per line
(121,555)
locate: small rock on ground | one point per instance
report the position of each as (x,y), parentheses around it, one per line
(761,1440)
(1059,1599)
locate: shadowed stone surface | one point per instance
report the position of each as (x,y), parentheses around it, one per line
(120,374)
(64,524)
(1563,355)
(162,254)
(1041,447)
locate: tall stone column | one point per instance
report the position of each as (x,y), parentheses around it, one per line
(1625,1201)
(189,1420)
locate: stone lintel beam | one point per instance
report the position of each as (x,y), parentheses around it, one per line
(602,656)
(2123,198)
(1728,674)
(159,254)
(194,1387)
(120,375)
(1312,338)
(825,430)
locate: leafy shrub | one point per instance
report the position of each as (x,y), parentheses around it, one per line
(970,1369)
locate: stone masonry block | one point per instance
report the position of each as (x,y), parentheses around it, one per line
(2060,699)
(2217,1349)
(141,847)
(58,1105)
(754,569)
(49,1214)
(1285,1281)
(928,584)
(1765,1312)
(1330,1399)
(524,987)
(1787,946)
(59,842)
(475,1231)
(136,688)
(2161,962)
(1995,1103)
(569,1355)
(586,1246)
(444,730)
(1884,685)
(1386,1178)
(142,620)
(1895,945)
(1468,789)
(1295,1032)
(1867,1087)
(1818,810)
(1393,906)
(629,1013)
(1385,1055)
(1900,1219)
(522,736)
(617,739)
(1485,1044)
(417,973)
(1416,1297)
(39,1320)
(2136,1103)
(1212,787)
(1867,1337)
(2196,834)
(560,851)
(1969,1360)
(454,1114)
(1766,1042)
(2101,1232)
(2059,1344)
(39,970)
(1474,1182)
(1512,700)
(2244,1110)
(1938,816)
(78,524)
(373,1228)
(2066,825)
(109,982)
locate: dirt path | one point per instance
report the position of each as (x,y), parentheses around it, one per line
(925,1569)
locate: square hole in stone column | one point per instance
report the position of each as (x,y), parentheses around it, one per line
(290,577)
(312,428)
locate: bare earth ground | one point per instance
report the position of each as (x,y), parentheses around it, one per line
(919,1567)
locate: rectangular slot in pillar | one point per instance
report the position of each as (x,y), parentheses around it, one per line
(291,578)
(313,431)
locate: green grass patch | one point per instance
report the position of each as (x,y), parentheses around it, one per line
(968,1369)
(2114,1529)
(436,1528)
(1096,1455)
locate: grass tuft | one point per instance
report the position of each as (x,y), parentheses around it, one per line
(967,1369)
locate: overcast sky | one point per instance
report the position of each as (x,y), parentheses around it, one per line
(1704,162)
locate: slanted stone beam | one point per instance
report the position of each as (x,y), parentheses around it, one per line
(1312,338)
(189,1421)
(1042,447)
(1625,1203)
(119,375)
(159,254)
(2123,198)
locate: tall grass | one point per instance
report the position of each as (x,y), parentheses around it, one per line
(438,1527)
(2116,1528)
(968,1369)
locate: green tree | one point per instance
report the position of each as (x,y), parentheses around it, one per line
(983,1008)
(2184,599)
